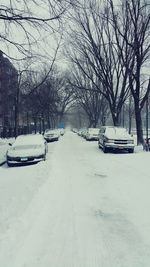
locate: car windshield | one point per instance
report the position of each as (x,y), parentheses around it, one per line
(51,132)
(117,131)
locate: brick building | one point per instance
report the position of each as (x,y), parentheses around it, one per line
(8,87)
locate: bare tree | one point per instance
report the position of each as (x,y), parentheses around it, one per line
(45,102)
(132,25)
(24,23)
(88,97)
(95,44)
(65,94)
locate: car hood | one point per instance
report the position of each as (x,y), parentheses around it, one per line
(25,152)
(120,137)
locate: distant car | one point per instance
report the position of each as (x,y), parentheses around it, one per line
(115,138)
(80,131)
(27,149)
(51,135)
(62,131)
(84,132)
(92,134)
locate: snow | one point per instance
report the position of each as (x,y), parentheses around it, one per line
(27,145)
(117,133)
(29,139)
(93,130)
(3,148)
(79,208)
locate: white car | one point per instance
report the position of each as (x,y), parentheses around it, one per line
(92,134)
(52,135)
(27,149)
(115,138)
(62,131)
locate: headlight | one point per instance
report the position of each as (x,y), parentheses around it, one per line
(109,140)
(130,141)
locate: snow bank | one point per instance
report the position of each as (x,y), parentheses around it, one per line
(3,149)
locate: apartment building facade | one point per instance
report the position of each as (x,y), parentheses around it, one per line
(8,87)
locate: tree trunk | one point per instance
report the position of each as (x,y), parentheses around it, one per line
(48,121)
(27,122)
(16,112)
(35,125)
(40,124)
(130,123)
(139,128)
(90,124)
(116,120)
(16,120)
(130,115)
(94,124)
(43,124)
(103,120)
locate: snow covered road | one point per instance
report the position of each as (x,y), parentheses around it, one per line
(80,208)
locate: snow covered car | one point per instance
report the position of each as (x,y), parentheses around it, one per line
(92,134)
(51,135)
(27,149)
(62,131)
(115,138)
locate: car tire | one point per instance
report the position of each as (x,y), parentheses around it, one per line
(105,149)
(44,156)
(10,164)
(131,150)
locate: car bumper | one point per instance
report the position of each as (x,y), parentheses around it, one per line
(119,146)
(94,138)
(24,160)
(48,139)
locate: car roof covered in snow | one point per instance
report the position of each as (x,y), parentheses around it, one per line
(29,139)
(117,131)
